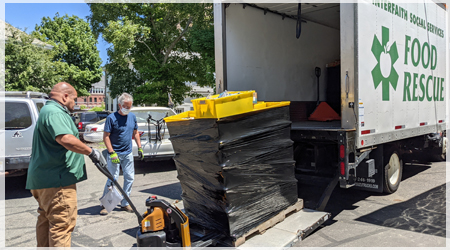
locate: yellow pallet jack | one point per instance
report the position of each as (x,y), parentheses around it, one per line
(164,225)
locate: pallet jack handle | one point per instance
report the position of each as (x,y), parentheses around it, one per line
(102,167)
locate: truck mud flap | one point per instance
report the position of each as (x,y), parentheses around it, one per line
(370,172)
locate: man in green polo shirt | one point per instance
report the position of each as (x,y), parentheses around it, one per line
(56,165)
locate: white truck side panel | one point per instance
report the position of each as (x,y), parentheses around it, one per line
(447,102)
(400,96)
(263,54)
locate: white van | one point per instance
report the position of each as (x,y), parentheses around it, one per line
(21,114)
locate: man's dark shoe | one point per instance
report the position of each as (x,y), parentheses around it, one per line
(103,211)
(127,209)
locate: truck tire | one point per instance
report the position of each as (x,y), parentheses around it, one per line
(439,153)
(444,150)
(392,173)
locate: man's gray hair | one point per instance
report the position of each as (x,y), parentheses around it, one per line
(125,97)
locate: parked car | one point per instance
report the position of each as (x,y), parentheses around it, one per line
(84,118)
(154,149)
(155,144)
(94,132)
(21,113)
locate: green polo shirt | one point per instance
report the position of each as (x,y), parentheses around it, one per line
(51,164)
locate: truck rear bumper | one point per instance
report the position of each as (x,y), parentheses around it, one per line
(17,162)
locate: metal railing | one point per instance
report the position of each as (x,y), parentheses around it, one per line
(27,94)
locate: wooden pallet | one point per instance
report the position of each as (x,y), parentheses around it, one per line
(261,228)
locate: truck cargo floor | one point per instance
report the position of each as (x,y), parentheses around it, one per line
(296,227)
(286,233)
(315,125)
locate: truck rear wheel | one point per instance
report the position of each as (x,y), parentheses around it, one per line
(439,154)
(392,173)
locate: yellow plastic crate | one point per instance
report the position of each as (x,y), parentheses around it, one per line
(270,105)
(190,115)
(237,103)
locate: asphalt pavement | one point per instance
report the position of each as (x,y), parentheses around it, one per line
(414,216)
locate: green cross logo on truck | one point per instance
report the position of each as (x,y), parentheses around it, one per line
(386,56)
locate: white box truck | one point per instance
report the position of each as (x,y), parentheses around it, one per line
(385,75)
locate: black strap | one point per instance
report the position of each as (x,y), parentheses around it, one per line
(299,20)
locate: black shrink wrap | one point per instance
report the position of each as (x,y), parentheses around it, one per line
(236,172)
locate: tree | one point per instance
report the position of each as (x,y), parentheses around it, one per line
(202,41)
(75,50)
(28,66)
(156,48)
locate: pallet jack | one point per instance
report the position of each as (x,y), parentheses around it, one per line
(163,224)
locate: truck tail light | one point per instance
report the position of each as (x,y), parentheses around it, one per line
(80,125)
(341,151)
(93,129)
(342,168)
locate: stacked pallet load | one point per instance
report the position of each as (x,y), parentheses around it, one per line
(237,171)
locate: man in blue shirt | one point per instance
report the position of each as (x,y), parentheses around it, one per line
(119,129)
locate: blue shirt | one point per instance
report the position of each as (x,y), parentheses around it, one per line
(121,130)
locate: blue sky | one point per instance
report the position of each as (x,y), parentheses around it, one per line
(27,15)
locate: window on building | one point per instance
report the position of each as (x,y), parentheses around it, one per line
(85,100)
(95,99)
(90,99)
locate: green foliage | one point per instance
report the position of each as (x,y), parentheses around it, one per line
(83,107)
(97,109)
(102,108)
(75,52)
(202,41)
(28,66)
(156,48)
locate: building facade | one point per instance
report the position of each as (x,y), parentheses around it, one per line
(187,104)
(97,97)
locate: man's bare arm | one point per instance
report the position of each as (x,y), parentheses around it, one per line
(107,142)
(70,142)
(137,138)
